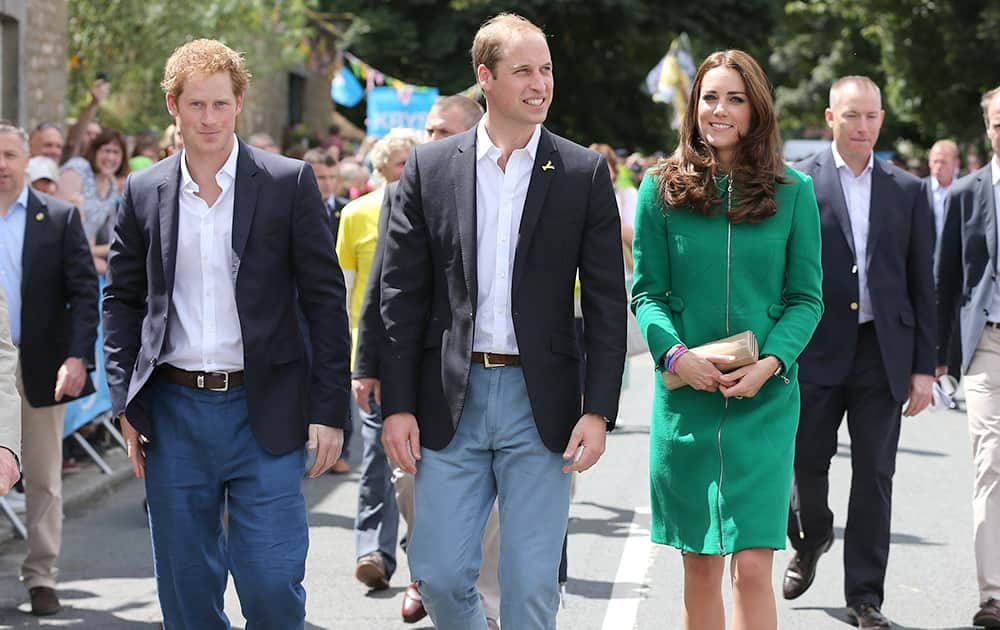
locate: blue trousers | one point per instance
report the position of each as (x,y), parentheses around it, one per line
(377,523)
(496,453)
(202,452)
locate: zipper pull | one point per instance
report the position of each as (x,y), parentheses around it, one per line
(784,378)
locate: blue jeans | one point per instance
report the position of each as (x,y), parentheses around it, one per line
(376,525)
(496,452)
(202,452)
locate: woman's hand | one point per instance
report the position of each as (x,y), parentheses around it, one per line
(747,381)
(701,371)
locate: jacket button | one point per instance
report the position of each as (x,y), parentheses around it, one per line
(854,306)
(854,269)
(164,317)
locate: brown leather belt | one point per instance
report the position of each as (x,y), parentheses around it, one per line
(211,381)
(492,359)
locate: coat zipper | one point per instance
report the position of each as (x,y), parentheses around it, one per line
(725,410)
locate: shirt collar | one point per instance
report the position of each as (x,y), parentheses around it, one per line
(936,185)
(229,167)
(22,200)
(485,146)
(839,161)
(995,163)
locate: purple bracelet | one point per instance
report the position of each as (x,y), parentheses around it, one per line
(672,359)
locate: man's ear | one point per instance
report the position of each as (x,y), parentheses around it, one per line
(172,105)
(483,75)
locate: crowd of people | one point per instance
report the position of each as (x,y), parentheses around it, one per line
(462,296)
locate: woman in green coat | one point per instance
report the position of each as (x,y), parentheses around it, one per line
(727,239)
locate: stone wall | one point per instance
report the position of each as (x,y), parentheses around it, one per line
(34,60)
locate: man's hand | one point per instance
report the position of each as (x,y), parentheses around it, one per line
(747,380)
(921,394)
(587,439)
(8,471)
(700,371)
(401,440)
(70,378)
(362,388)
(133,447)
(99,91)
(327,442)
(940,370)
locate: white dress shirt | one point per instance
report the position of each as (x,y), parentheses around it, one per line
(940,194)
(500,196)
(203,332)
(858,196)
(994,314)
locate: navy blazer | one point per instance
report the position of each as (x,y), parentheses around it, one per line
(59,296)
(967,263)
(285,260)
(900,277)
(430,287)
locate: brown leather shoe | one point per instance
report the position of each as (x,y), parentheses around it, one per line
(413,605)
(801,570)
(989,615)
(44,601)
(371,571)
(866,616)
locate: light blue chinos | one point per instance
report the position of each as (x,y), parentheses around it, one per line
(496,453)
(202,450)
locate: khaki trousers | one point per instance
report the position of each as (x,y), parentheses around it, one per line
(488,584)
(41,462)
(982,398)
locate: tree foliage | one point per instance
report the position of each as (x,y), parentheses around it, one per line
(130,41)
(601,52)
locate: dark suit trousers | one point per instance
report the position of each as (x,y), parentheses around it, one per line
(873,419)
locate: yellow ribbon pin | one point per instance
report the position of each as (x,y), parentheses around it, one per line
(548,166)
(39,216)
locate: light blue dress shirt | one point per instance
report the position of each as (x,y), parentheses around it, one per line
(11,257)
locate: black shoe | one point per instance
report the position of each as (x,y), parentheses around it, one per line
(801,570)
(44,601)
(867,616)
(989,615)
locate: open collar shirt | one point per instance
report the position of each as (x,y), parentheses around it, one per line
(858,196)
(11,260)
(203,332)
(500,197)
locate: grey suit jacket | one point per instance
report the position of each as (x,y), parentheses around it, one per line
(10,402)
(967,263)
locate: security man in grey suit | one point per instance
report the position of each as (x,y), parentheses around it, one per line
(969,287)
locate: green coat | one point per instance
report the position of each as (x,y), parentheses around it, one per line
(721,473)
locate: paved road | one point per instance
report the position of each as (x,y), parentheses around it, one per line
(618,580)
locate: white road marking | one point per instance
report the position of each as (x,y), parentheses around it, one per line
(625,597)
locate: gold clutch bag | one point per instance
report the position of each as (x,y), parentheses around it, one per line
(742,347)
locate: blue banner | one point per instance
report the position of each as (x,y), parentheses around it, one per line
(81,411)
(345,89)
(389,108)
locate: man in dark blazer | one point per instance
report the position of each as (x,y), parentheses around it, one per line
(480,383)
(968,287)
(52,292)
(216,250)
(873,350)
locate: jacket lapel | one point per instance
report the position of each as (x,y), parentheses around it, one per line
(32,224)
(244,200)
(168,208)
(828,187)
(879,206)
(987,209)
(464,168)
(547,167)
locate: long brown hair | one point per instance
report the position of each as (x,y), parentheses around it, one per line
(687,178)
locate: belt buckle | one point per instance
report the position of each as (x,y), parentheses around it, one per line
(489,364)
(225,382)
